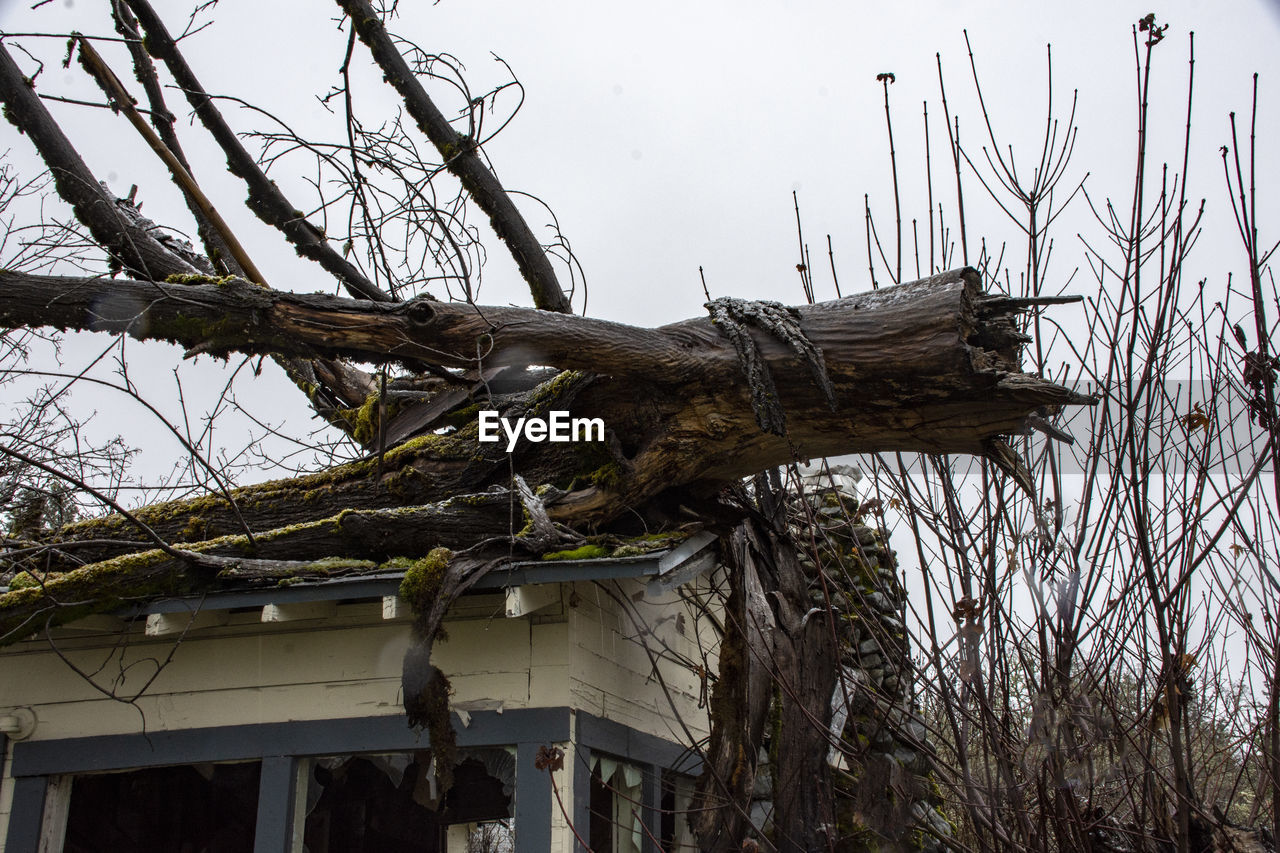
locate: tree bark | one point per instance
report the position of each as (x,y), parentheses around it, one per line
(721,810)
(779,647)
(99,575)
(807,664)
(929,366)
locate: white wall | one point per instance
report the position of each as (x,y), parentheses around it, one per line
(588,650)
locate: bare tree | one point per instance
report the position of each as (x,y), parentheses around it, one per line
(1076,634)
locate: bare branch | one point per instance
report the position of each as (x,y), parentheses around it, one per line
(265,198)
(134,249)
(462,159)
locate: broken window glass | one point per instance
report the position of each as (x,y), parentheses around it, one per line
(616,805)
(391,803)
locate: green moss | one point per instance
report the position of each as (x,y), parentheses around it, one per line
(316,568)
(845,502)
(186,329)
(336,523)
(287,530)
(649,543)
(196,530)
(595,465)
(599,547)
(187,512)
(463,416)
(856,566)
(423,579)
(456,445)
(335,564)
(405,483)
(195,278)
(103,587)
(586,552)
(212,511)
(365,418)
(607,476)
(126,576)
(527,528)
(553,391)
(23,580)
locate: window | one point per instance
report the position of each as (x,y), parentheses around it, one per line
(616,806)
(390,804)
(193,807)
(677,795)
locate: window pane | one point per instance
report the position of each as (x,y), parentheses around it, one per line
(677,795)
(615,806)
(390,803)
(204,807)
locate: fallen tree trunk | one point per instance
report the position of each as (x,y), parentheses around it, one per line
(930,366)
(941,332)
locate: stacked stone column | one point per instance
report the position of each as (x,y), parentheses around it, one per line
(887,799)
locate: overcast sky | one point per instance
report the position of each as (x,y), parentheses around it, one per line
(671,135)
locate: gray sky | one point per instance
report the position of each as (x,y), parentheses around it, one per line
(671,135)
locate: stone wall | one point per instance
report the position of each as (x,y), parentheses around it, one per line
(887,797)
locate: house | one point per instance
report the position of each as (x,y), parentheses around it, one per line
(271,718)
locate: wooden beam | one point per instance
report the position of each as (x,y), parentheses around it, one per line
(526,600)
(167,624)
(299,611)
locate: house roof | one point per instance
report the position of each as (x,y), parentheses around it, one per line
(665,569)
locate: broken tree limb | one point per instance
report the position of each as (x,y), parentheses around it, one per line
(739,706)
(123,102)
(115,573)
(929,366)
(164,121)
(896,344)
(137,251)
